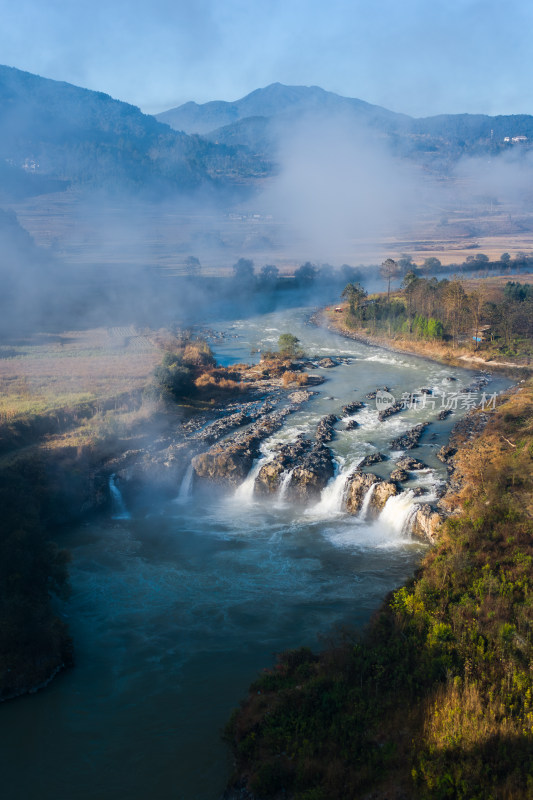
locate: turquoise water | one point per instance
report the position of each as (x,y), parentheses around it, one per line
(173,614)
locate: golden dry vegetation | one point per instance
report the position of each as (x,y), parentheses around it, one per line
(435,699)
(46,372)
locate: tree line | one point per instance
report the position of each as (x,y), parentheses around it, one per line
(432,309)
(480,262)
(245,274)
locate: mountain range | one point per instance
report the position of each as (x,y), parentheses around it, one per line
(54,135)
(262,118)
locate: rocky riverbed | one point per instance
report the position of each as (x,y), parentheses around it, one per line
(180,599)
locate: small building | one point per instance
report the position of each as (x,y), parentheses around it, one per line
(481,334)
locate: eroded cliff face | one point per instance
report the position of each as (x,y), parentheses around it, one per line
(312,474)
(229,462)
(288,457)
(358,486)
(427,522)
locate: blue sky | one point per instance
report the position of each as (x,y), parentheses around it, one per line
(415,56)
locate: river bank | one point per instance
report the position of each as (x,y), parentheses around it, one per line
(65,467)
(180,596)
(436,351)
(433,699)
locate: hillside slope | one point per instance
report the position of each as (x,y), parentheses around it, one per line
(261,119)
(434,700)
(53,130)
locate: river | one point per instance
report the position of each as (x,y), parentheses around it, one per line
(173,613)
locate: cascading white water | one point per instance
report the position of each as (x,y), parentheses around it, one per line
(332,496)
(284,485)
(398,512)
(363,511)
(334,493)
(245,492)
(185,491)
(118,506)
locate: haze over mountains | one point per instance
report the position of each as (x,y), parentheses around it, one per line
(53,134)
(285,175)
(261,119)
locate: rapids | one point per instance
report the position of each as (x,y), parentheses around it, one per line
(173,613)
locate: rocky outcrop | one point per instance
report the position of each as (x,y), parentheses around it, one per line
(230,461)
(351,408)
(388,411)
(268,480)
(409,439)
(373,458)
(358,486)
(300,396)
(446,452)
(324,430)
(314,380)
(372,395)
(311,475)
(351,425)
(400,475)
(411,464)
(426,523)
(382,492)
(310,465)
(328,362)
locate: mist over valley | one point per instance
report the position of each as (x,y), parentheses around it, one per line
(265,420)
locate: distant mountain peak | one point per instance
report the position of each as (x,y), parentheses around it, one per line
(268,101)
(73,135)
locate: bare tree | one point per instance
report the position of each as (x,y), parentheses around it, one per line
(389,270)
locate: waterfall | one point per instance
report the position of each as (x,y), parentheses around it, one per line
(333,494)
(118,507)
(186,486)
(284,485)
(398,512)
(245,492)
(363,511)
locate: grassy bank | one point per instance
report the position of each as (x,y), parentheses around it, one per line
(434,700)
(460,356)
(72,404)
(484,323)
(69,403)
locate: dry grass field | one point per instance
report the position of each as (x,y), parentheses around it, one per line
(46,372)
(85,232)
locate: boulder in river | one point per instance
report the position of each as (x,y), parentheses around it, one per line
(325,428)
(399,475)
(410,438)
(229,461)
(358,486)
(372,458)
(410,463)
(388,411)
(427,523)
(351,408)
(311,475)
(300,396)
(269,478)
